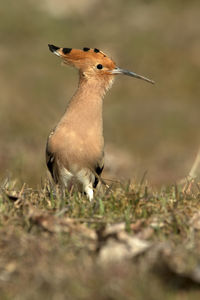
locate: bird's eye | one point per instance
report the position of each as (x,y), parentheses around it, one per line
(99,66)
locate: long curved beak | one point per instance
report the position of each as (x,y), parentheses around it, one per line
(132,74)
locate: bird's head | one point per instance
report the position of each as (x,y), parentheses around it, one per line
(93,64)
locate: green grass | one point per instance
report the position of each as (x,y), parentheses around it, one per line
(52,247)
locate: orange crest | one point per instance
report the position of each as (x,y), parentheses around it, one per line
(85,59)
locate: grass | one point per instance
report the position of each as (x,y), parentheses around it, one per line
(68,248)
(161,121)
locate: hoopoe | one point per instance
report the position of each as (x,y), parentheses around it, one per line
(75,147)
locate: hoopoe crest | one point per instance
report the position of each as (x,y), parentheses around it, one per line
(75,148)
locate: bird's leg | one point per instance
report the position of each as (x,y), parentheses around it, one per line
(89,192)
(86,178)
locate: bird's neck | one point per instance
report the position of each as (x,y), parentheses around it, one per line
(88,92)
(84,111)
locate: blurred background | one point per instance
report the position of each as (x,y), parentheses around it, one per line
(147,128)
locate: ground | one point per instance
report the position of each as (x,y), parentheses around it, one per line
(131,242)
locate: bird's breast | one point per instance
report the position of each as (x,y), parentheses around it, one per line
(77,147)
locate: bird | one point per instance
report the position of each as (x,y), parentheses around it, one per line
(75,147)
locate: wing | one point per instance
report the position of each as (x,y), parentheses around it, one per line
(98,171)
(51,160)
(51,165)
